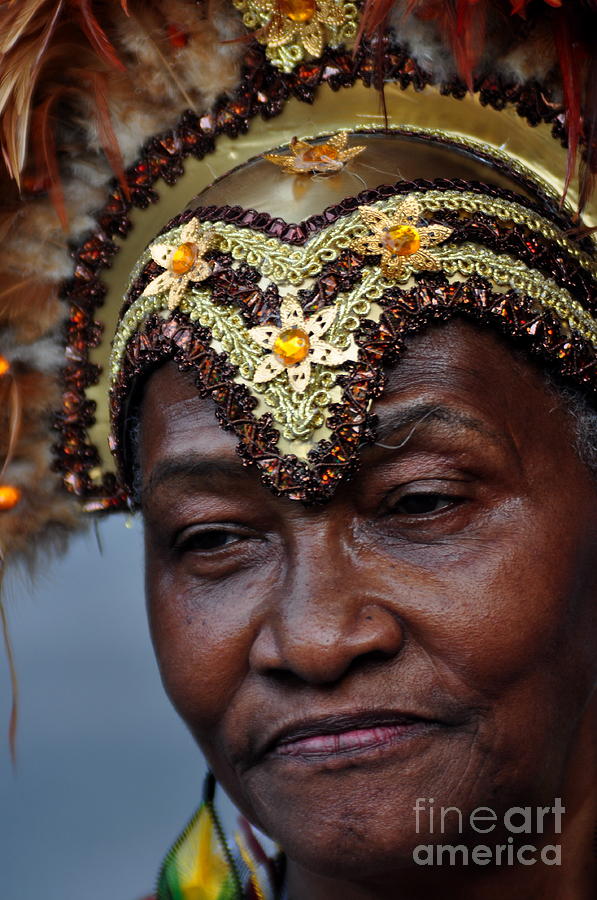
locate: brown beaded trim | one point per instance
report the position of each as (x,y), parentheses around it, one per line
(299,232)
(431,301)
(263,91)
(530,247)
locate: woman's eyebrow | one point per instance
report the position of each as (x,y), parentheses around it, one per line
(424,412)
(191,467)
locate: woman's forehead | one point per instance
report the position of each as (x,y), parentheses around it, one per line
(455,372)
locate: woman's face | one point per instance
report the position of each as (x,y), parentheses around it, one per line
(429,633)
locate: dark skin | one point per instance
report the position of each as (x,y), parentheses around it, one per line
(450,590)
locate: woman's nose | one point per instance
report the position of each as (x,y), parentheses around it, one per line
(324,620)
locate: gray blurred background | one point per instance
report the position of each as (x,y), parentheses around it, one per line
(106,773)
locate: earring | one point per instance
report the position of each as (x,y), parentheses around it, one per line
(200,865)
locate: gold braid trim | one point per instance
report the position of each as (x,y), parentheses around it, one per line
(503,270)
(283,263)
(297,415)
(507,211)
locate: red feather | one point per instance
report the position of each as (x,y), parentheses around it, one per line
(96,35)
(588,165)
(106,131)
(572,60)
(45,156)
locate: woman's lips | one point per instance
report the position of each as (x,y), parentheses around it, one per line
(345,735)
(356,740)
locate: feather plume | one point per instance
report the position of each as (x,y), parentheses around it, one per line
(20,71)
(571,67)
(16,311)
(107,136)
(15,418)
(14,681)
(588,165)
(97,36)
(466,27)
(28,31)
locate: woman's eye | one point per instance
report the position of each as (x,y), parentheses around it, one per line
(206,540)
(421,504)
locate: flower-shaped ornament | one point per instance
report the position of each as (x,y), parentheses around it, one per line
(303,22)
(320,159)
(184,261)
(399,237)
(296,344)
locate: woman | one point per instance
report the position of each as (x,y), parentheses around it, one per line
(371,591)
(375,670)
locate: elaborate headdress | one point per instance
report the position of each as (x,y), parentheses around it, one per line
(393,164)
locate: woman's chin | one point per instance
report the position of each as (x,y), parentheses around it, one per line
(353,815)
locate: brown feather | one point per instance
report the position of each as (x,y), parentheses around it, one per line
(14,681)
(106,131)
(15,418)
(97,36)
(28,305)
(29,32)
(45,153)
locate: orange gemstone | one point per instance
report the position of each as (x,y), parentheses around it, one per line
(9,496)
(298,10)
(183,258)
(4,365)
(402,240)
(320,152)
(291,346)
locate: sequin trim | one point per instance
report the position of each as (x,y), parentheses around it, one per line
(428,302)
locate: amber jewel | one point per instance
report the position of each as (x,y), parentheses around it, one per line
(9,496)
(183,258)
(319,152)
(402,240)
(4,365)
(291,346)
(298,10)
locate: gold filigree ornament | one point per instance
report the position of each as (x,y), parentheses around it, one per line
(296,345)
(294,29)
(315,159)
(400,239)
(184,261)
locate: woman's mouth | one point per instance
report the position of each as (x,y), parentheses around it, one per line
(347,736)
(353,741)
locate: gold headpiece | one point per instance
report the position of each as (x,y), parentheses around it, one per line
(325,274)
(288,325)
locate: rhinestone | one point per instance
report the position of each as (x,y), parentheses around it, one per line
(291,346)
(297,10)
(402,240)
(320,153)
(183,258)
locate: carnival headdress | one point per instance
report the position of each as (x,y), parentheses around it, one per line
(347,174)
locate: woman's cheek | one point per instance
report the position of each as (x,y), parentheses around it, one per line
(202,638)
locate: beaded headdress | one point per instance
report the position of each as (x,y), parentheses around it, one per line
(347,174)
(288,325)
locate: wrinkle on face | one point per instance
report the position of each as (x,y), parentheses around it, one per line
(494,600)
